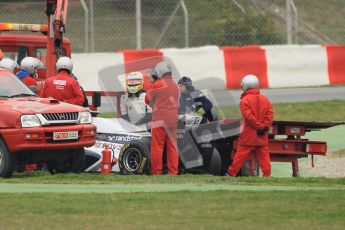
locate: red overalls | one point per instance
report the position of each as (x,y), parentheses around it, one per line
(64,88)
(257,114)
(163,98)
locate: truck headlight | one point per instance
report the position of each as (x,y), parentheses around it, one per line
(30,121)
(85,117)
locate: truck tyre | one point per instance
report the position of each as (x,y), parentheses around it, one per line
(7,161)
(214,166)
(134,158)
(78,161)
(74,164)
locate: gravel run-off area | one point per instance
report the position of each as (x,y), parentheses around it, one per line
(331,166)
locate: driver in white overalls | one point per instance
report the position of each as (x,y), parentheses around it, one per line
(133,107)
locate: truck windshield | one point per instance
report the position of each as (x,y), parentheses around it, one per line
(11,86)
(15,53)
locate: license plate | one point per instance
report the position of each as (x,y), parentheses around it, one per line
(72,135)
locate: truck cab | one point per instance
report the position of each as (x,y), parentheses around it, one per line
(19,46)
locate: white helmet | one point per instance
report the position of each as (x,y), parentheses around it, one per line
(134,82)
(162,69)
(249,81)
(29,64)
(9,64)
(64,63)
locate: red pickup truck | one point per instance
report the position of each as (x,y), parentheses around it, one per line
(40,130)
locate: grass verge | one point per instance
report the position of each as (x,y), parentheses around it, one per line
(306,111)
(87,178)
(175,210)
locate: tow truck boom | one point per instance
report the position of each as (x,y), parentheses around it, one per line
(56,11)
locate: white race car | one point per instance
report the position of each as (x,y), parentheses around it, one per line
(198,145)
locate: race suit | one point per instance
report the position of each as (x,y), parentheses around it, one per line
(163,98)
(64,88)
(195,102)
(257,115)
(135,110)
(27,78)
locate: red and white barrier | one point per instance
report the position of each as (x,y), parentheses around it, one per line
(276,66)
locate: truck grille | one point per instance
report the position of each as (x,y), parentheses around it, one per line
(60,116)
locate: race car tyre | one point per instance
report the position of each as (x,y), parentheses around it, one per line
(214,166)
(7,161)
(245,170)
(74,164)
(225,152)
(134,158)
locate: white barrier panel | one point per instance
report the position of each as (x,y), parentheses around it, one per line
(200,64)
(294,66)
(86,67)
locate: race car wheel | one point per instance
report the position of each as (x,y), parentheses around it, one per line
(134,158)
(214,166)
(75,163)
(7,161)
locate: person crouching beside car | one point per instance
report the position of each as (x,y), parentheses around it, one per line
(194,101)
(257,115)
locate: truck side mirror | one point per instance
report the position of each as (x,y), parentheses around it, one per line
(96,99)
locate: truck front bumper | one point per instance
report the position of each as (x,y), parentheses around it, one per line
(41,138)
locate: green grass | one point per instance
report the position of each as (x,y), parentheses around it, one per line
(88,178)
(107,115)
(242,209)
(338,153)
(311,111)
(306,111)
(175,210)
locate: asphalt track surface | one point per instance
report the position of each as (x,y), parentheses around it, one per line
(121,188)
(290,95)
(287,95)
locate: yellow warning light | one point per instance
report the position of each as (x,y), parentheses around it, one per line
(5,26)
(23,27)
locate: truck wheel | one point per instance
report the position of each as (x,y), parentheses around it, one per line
(134,158)
(7,161)
(74,164)
(214,166)
(78,161)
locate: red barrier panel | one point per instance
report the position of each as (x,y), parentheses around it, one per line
(336,66)
(240,61)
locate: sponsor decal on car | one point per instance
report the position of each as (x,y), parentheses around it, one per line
(142,164)
(117,138)
(180,133)
(192,121)
(101,145)
(206,136)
